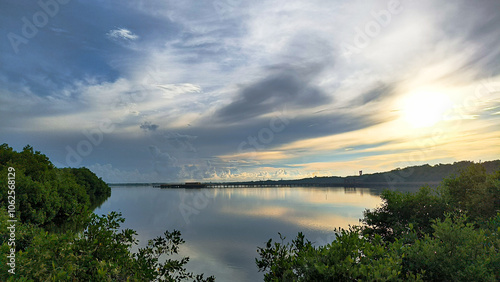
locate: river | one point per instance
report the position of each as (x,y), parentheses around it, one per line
(223,227)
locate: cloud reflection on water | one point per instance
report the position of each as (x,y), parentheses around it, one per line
(223,236)
(320,209)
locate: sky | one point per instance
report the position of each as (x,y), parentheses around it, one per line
(226,90)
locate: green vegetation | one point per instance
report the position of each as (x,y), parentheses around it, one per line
(100,253)
(451,233)
(423,173)
(46,195)
(48,200)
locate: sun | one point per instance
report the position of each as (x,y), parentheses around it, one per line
(425,108)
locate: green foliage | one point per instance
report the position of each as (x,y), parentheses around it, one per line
(456,251)
(100,253)
(351,257)
(446,234)
(424,173)
(283,261)
(48,199)
(472,191)
(475,191)
(399,209)
(95,187)
(46,195)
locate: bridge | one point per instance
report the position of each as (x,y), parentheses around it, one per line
(260,184)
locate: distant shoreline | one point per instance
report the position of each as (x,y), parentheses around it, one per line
(414,176)
(277,185)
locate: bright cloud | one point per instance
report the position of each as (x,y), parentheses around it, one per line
(122,33)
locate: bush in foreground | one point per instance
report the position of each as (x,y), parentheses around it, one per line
(46,195)
(100,253)
(431,235)
(51,244)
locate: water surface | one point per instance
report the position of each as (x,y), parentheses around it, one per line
(223,227)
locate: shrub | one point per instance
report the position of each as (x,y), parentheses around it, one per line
(399,209)
(100,253)
(456,251)
(425,235)
(351,257)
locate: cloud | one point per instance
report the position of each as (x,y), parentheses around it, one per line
(170,168)
(164,164)
(178,142)
(122,33)
(181,88)
(111,174)
(148,126)
(375,94)
(284,86)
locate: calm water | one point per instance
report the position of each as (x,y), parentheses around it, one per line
(223,227)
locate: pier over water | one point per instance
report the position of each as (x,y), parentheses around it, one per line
(261,184)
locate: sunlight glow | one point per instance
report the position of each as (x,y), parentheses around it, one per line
(425,108)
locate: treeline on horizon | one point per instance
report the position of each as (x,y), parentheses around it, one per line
(412,175)
(57,236)
(424,173)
